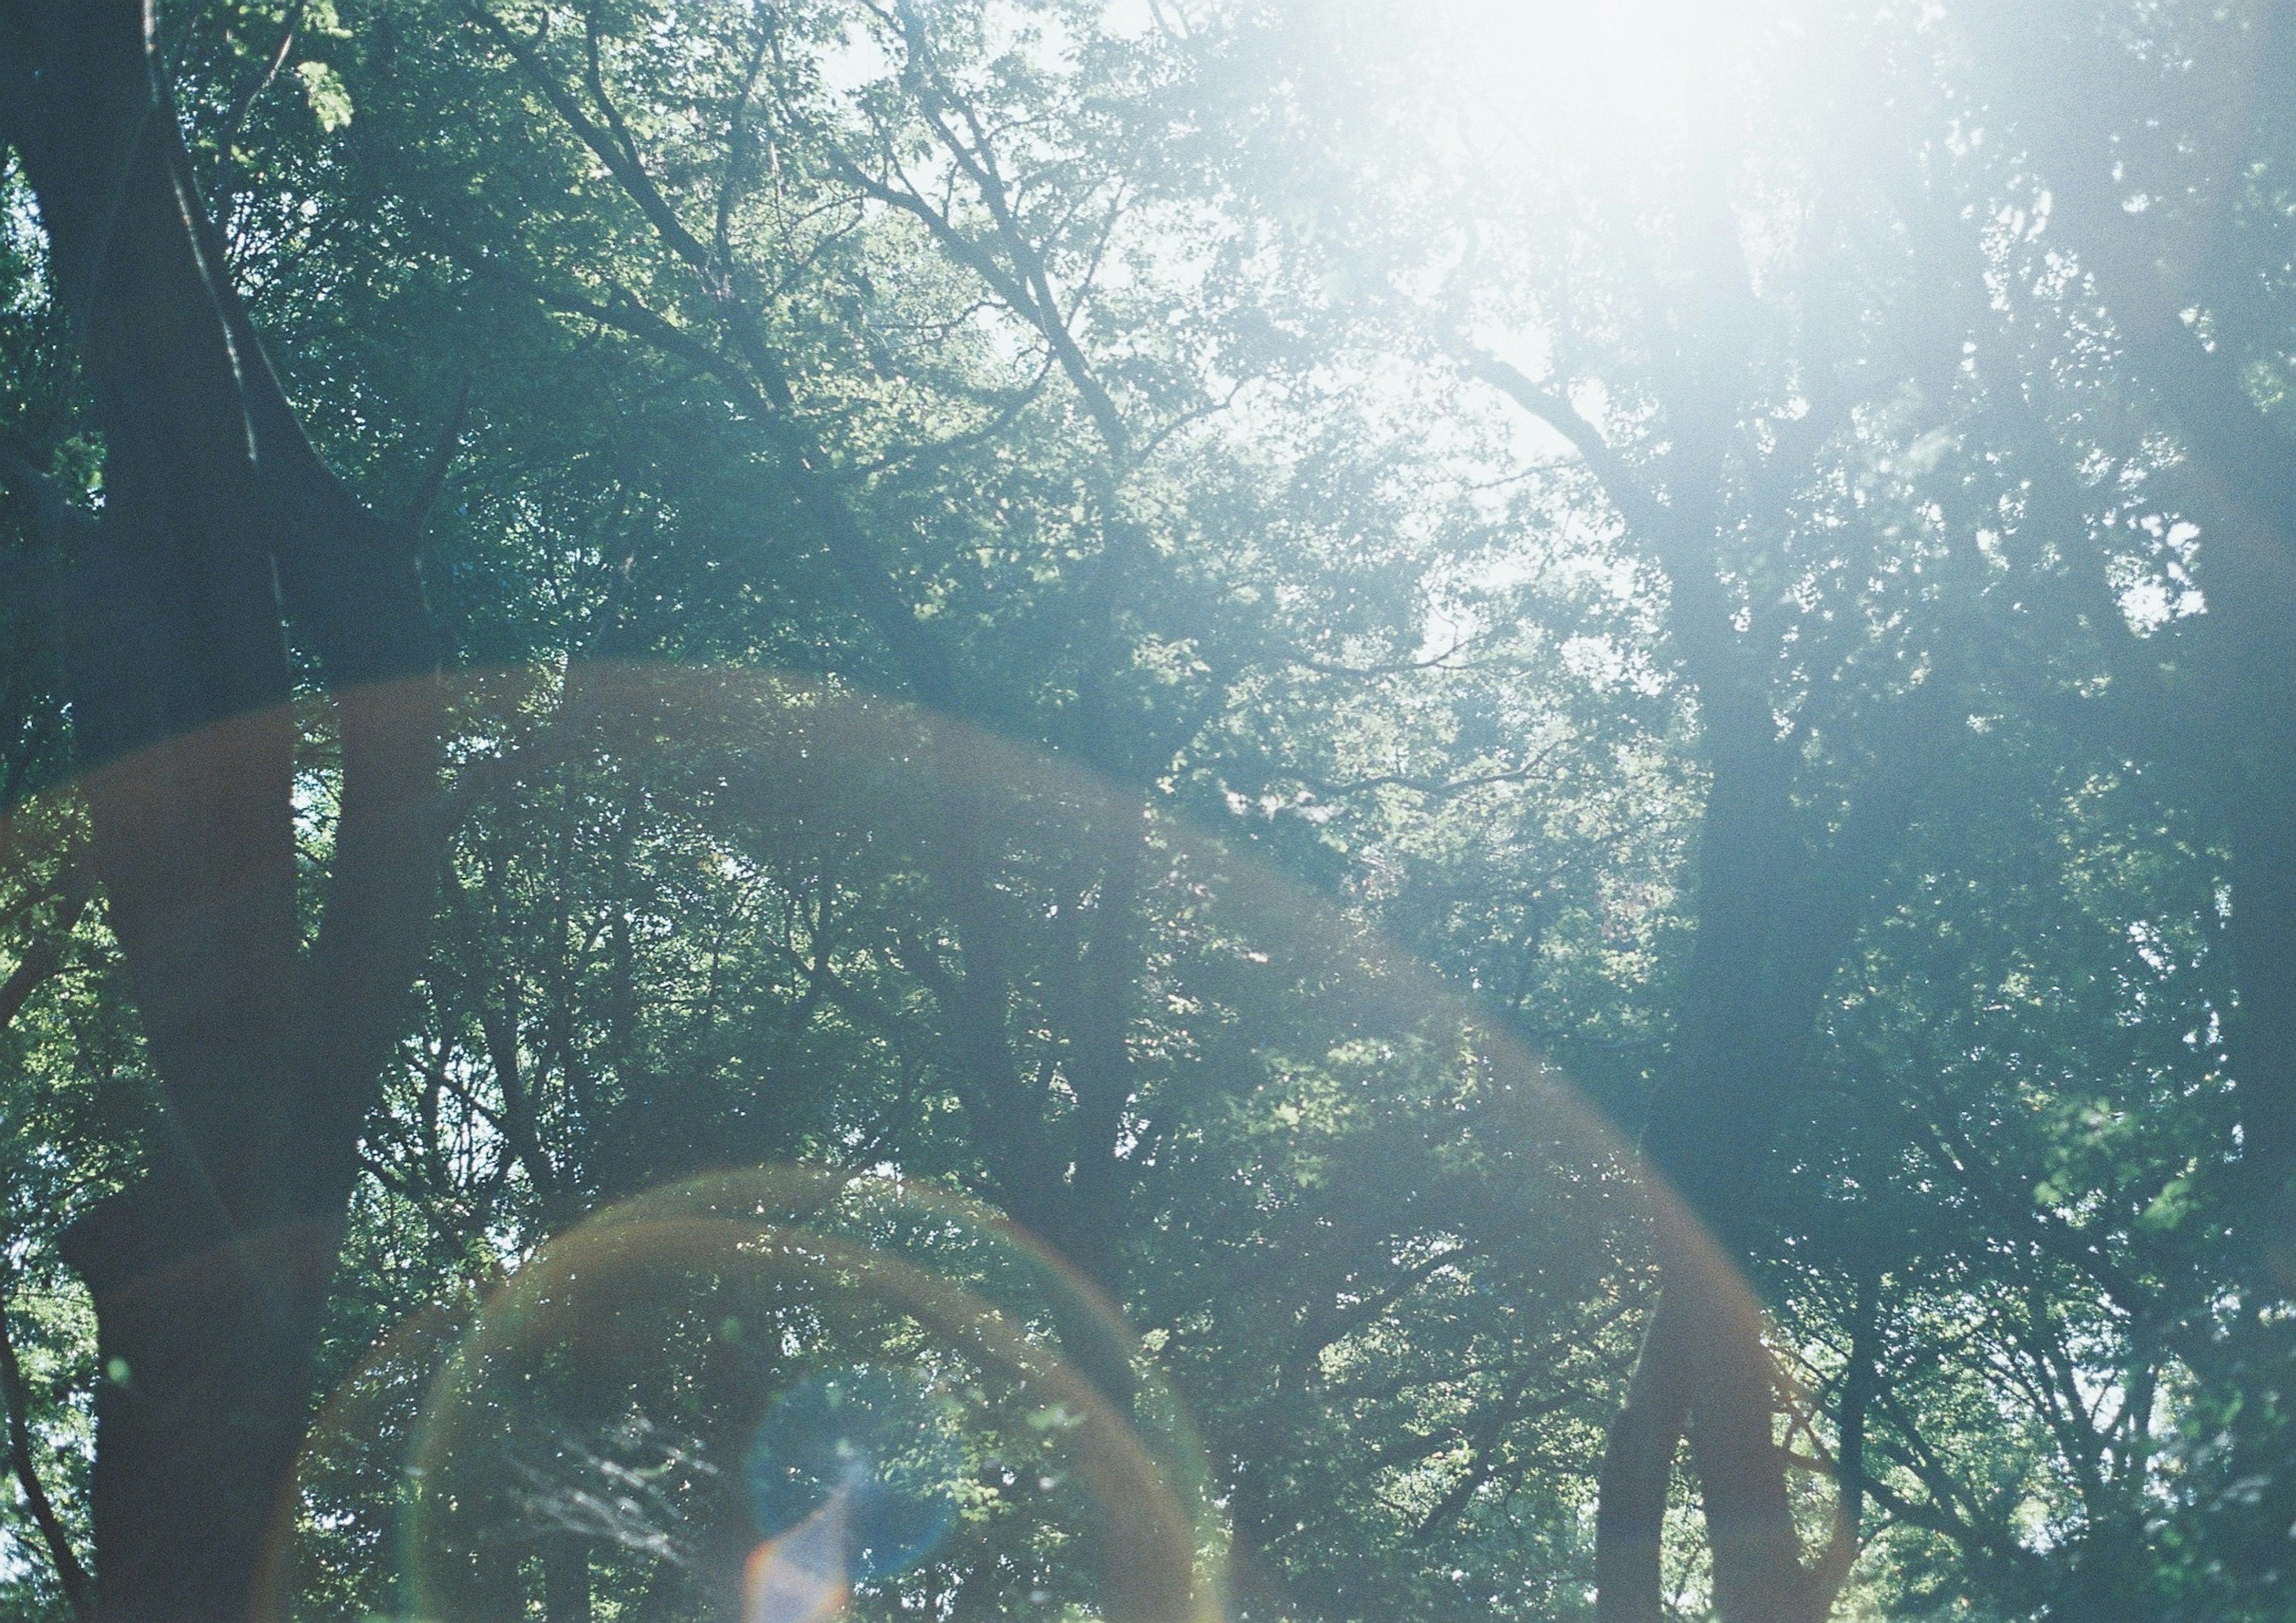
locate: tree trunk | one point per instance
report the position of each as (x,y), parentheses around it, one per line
(210,1277)
(2256,780)
(206,1338)
(1738,1046)
(565,1579)
(1703,1369)
(1774,918)
(1637,1469)
(1758,1574)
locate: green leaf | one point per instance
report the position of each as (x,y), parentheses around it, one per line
(324,90)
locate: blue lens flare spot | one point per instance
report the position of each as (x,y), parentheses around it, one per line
(886,1447)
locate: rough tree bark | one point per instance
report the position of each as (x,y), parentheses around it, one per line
(210,1276)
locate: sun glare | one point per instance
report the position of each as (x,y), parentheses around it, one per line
(1626,77)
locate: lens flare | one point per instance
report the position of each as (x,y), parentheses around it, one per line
(786,1394)
(800,1577)
(875,1457)
(790,1393)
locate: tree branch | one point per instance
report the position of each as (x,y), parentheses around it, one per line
(70,1573)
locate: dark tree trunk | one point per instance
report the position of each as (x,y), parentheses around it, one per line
(1638,1467)
(1743,1028)
(2250,772)
(565,1579)
(1780,896)
(1776,912)
(210,1276)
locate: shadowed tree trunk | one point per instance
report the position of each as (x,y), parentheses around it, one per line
(565,1579)
(1780,898)
(1774,921)
(210,1276)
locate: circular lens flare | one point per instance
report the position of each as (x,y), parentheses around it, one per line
(651,1391)
(874,1455)
(794,1393)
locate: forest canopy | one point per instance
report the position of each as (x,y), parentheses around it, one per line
(1177,811)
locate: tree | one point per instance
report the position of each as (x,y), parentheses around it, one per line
(210,1272)
(1118,612)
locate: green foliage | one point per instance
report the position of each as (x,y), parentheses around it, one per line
(1011,628)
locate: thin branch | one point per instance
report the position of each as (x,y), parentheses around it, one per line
(619,155)
(1640,510)
(435,468)
(237,121)
(734,177)
(1332,667)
